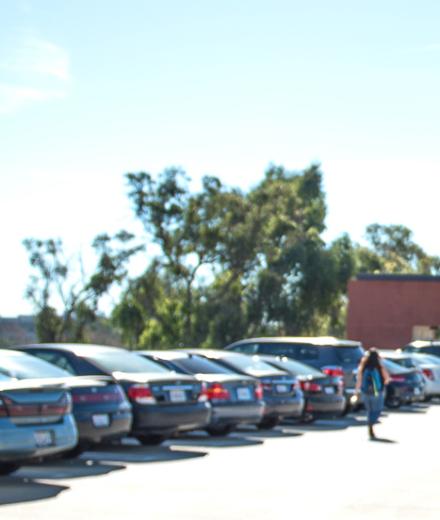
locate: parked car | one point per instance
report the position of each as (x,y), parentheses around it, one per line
(428,366)
(100,408)
(423,347)
(235,399)
(335,357)
(406,385)
(163,402)
(323,394)
(35,421)
(281,393)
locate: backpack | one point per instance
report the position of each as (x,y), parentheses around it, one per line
(372,382)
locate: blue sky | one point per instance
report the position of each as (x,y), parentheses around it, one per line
(90,90)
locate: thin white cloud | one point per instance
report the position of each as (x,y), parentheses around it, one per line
(434,47)
(34,70)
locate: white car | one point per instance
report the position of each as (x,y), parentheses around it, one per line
(428,365)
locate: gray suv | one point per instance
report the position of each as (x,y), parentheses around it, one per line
(335,357)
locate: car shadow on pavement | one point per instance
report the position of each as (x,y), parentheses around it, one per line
(66,469)
(410,409)
(341,423)
(274,433)
(132,453)
(204,440)
(15,489)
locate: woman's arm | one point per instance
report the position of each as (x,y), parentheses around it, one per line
(360,371)
(385,374)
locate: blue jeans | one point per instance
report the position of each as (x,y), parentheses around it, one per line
(373,405)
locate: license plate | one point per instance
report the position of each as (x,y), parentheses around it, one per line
(101,420)
(243,394)
(43,438)
(282,389)
(177,396)
(329,390)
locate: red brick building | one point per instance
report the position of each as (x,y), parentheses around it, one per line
(388,311)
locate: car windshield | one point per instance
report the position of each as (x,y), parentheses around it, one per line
(24,366)
(349,355)
(199,365)
(125,362)
(294,367)
(249,364)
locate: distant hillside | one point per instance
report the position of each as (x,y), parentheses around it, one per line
(17,330)
(21,330)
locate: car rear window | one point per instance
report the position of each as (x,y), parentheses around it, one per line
(198,365)
(249,364)
(348,355)
(296,368)
(125,362)
(300,351)
(29,367)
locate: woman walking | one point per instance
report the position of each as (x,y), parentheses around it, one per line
(372,377)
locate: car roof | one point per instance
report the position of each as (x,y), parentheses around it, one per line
(11,352)
(79,349)
(214,353)
(420,343)
(321,341)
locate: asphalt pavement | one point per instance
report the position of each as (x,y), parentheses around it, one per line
(328,470)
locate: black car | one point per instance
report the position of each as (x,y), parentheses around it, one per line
(235,399)
(335,357)
(99,406)
(323,394)
(281,393)
(163,402)
(406,385)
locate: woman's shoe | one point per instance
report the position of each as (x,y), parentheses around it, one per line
(371,432)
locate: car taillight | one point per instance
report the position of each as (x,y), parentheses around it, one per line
(3,409)
(259,391)
(203,396)
(92,395)
(218,392)
(141,394)
(428,373)
(310,386)
(397,379)
(333,371)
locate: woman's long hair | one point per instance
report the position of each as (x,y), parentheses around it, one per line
(371,359)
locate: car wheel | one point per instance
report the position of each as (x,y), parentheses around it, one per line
(392,402)
(74,452)
(307,418)
(218,431)
(150,440)
(6,468)
(268,424)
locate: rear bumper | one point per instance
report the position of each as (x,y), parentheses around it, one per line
(119,425)
(18,443)
(237,413)
(281,408)
(328,406)
(169,419)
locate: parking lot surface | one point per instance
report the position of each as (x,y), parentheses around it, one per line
(328,470)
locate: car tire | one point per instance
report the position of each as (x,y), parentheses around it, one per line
(393,402)
(150,440)
(219,431)
(307,418)
(6,468)
(74,452)
(268,424)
